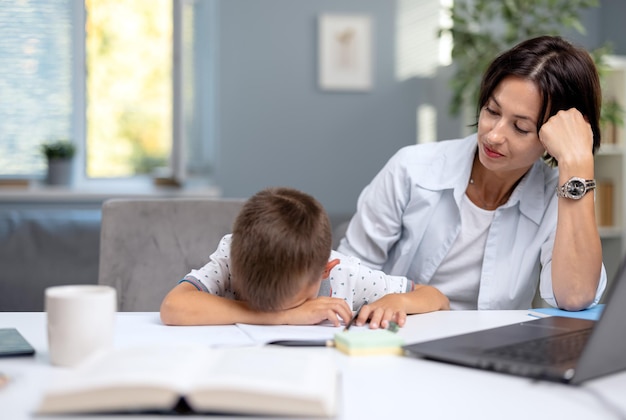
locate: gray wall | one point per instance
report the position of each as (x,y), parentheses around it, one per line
(611,24)
(276,127)
(604,24)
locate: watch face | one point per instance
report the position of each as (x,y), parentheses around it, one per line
(575,188)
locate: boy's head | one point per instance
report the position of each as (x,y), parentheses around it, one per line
(280,246)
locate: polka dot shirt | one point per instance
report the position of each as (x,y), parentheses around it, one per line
(349,280)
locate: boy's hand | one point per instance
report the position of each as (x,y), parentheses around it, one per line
(384,310)
(396,306)
(317,310)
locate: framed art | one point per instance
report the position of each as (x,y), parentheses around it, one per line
(345,52)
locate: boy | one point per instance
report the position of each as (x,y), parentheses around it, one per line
(275,269)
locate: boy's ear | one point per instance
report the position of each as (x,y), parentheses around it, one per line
(329,266)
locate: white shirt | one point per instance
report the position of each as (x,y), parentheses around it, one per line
(349,280)
(408,218)
(458,276)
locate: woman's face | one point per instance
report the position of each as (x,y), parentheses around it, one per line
(508,141)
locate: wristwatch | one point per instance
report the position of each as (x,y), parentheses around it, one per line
(575,188)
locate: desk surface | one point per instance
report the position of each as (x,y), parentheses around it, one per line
(373,387)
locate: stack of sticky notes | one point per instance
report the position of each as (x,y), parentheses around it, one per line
(368,342)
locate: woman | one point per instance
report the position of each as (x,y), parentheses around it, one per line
(487,218)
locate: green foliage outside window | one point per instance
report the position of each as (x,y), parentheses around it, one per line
(129,86)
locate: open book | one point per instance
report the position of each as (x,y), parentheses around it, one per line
(272,381)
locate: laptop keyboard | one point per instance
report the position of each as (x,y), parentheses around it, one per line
(545,351)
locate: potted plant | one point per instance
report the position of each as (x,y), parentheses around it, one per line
(59,155)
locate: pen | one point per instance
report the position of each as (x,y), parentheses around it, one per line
(393,327)
(354,317)
(303,343)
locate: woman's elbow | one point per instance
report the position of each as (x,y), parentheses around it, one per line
(576,301)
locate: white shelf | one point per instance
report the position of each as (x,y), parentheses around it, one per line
(610,150)
(610,165)
(611,232)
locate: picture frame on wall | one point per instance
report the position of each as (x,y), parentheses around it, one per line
(345,52)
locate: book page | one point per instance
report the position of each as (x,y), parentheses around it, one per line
(270,380)
(267,333)
(154,332)
(162,366)
(132,378)
(262,380)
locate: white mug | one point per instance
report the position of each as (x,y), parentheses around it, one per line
(81,320)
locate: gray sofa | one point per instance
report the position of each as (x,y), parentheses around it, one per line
(42,247)
(45,247)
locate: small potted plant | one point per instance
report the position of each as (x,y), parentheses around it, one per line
(59,155)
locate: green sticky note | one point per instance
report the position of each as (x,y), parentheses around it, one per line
(369,342)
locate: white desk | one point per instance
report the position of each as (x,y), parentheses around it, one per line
(373,387)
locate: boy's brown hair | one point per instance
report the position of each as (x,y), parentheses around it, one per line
(281,243)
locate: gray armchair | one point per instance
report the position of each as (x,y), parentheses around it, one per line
(147,245)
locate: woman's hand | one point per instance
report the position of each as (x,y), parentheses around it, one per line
(567,137)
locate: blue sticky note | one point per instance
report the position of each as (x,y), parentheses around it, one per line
(592,313)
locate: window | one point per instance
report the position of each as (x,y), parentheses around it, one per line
(35,82)
(102,73)
(129,89)
(420,50)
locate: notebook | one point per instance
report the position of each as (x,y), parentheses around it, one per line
(555,348)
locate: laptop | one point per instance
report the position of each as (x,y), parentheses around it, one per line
(561,349)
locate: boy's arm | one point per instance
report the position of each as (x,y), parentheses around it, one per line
(424,299)
(186,305)
(396,306)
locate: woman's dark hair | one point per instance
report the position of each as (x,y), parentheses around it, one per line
(565,75)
